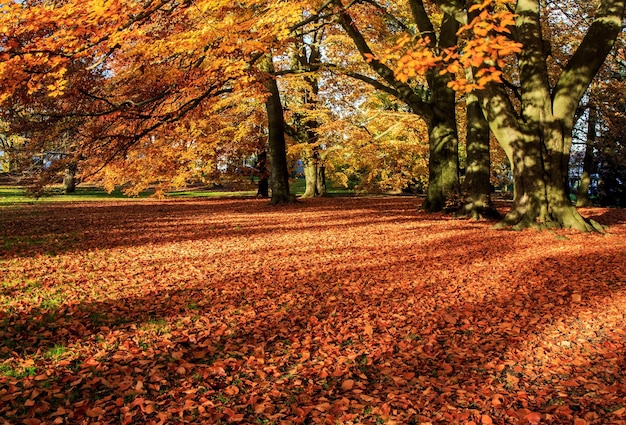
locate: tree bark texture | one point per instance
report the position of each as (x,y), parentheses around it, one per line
(538,139)
(477,183)
(438,112)
(69,178)
(279,171)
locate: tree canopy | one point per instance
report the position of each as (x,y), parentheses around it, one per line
(165,91)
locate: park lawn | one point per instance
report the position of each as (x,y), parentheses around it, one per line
(340,311)
(18,194)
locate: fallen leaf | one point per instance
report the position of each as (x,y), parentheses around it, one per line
(347,384)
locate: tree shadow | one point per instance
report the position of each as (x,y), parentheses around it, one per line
(606,216)
(37,231)
(403,323)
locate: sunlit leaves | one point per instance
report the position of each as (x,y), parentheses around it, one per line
(485,44)
(132,70)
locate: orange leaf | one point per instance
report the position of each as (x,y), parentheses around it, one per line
(95,412)
(347,384)
(533,417)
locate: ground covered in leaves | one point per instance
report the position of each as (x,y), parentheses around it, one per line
(338,311)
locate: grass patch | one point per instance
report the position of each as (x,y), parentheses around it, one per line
(56,352)
(19,373)
(158,325)
(18,195)
(52,302)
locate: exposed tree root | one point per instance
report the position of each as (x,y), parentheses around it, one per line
(283,200)
(567,218)
(478,210)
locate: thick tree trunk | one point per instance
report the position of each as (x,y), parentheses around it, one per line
(541,198)
(538,139)
(443,160)
(443,165)
(279,171)
(478,165)
(582,196)
(539,167)
(69,178)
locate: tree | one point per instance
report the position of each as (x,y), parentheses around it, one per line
(433,101)
(137,74)
(279,171)
(477,182)
(537,136)
(305,59)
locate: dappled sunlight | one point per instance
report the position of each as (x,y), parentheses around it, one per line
(343,310)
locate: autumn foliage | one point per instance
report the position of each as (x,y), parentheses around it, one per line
(351,311)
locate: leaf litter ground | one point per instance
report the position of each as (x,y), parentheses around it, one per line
(338,311)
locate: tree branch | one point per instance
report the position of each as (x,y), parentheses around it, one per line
(588,58)
(404,91)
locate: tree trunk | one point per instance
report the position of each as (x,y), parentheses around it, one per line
(69,178)
(539,167)
(321,180)
(538,138)
(443,159)
(582,196)
(314,174)
(310,176)
(263,190)
(477,174)
(541,198)
(279,171)
(443,164)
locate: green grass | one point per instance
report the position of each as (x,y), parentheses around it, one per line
(19,373)
(56,352)
(210,194)
(17,195)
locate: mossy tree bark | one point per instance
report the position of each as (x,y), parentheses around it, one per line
(538,138)
(443,159)
(435,103)
(477,183)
